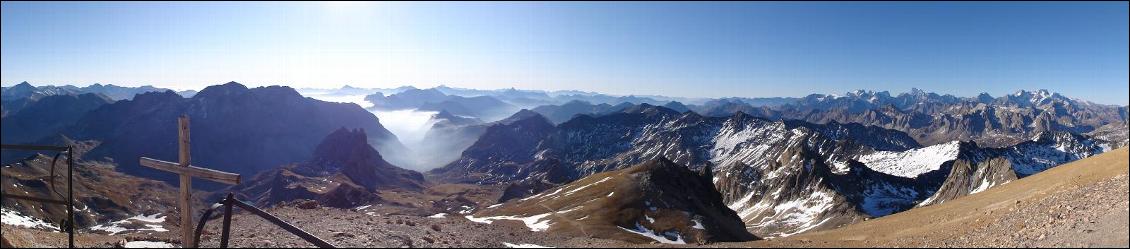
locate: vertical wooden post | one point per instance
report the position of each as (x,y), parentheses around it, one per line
(185,183)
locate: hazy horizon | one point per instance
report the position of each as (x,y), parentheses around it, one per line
(335,98)
(678,49)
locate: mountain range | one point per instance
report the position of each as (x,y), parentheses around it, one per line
(234,128)
(758,167)
(782,177)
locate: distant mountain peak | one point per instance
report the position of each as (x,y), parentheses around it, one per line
(22,87)
(522,115)
(229,88)
(645,108)
(676,106)
(443,114)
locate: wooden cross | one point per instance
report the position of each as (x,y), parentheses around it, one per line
(186,171)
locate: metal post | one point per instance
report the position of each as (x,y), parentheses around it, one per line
(226,232)
(68,223)
(70,197)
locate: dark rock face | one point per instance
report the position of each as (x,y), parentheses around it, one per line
(348,152)
(234,128)
(656,201)
(345,172)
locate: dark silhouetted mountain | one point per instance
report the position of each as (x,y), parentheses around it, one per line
(234,128)
(409,99)
(484,107)
(48,116)
(561,113)
(676,106)
(481,106)
(345,171)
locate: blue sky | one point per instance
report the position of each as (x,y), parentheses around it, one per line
(755,49)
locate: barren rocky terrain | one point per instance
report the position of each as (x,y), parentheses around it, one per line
(1080,204)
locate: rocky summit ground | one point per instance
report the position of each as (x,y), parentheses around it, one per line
(383,227)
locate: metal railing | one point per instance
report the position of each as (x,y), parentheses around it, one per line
(68,224)
(225,233)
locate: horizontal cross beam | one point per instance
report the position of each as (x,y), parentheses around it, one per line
(206,174)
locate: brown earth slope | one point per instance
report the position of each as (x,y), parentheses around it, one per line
(655,201)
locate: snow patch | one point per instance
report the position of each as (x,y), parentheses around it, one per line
(11,217)
(985,184)
(644,231)
(535,223)
(508,245)
(911,163)
(115,227)
(698,225)
(148,244)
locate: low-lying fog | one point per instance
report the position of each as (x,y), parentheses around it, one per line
(410,127)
